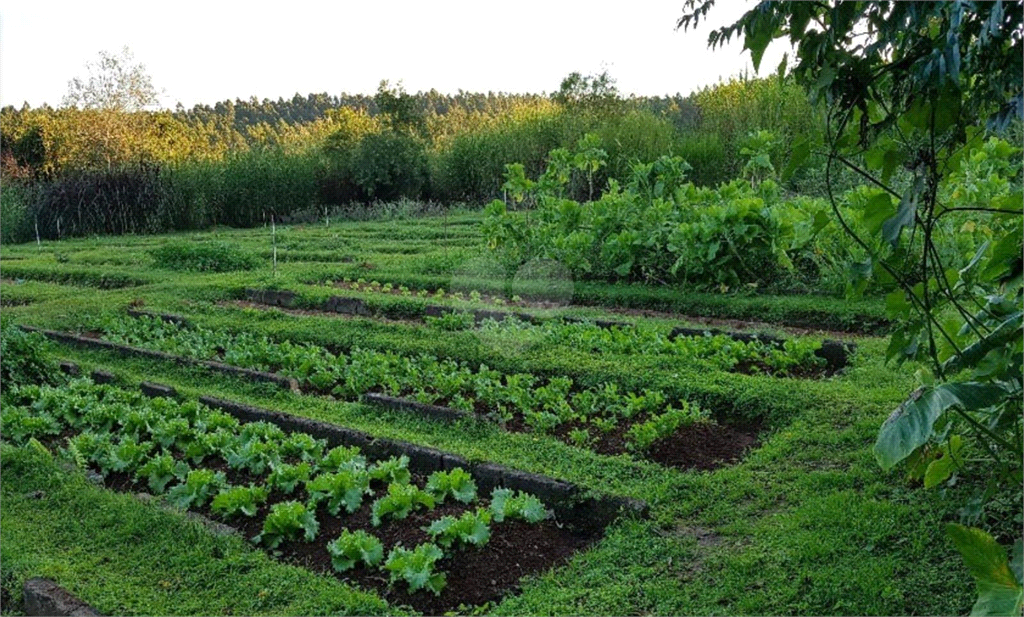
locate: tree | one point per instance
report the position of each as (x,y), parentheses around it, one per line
(114,82)
(596,93)
(112,99)
(915,92)
(404,112)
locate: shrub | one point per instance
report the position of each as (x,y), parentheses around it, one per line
(23,359)
(389,166)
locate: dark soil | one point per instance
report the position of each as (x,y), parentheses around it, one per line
(703,446)
(474,576)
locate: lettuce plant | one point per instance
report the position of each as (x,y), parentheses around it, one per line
(286,478)
(344,488)
(400,501)
(456,483)
(351,548)
(523,506)
(473,527)
(235,500)
(416,567)
(288,520)
(196,490)
(160,470)
(394,470)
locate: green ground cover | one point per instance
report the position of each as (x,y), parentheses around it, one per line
(804,523)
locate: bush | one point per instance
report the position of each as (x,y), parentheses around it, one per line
(195,257)
(16,223)
(389,166)
(23,359)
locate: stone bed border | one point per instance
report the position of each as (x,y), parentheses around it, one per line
(588,513)
(127,350)
(42,596)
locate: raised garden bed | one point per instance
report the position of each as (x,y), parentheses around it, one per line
(358,307)
(69,338)
(835,353)
(521,544)
(655,428)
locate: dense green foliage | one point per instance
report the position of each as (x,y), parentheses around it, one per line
(238,162)
(908,86)
(659,228)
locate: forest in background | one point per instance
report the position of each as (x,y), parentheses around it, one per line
(73,171)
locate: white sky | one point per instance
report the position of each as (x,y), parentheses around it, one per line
(203,52)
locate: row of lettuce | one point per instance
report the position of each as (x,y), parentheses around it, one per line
(543,405)
(170,447)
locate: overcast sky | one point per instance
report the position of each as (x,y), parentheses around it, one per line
(203,52)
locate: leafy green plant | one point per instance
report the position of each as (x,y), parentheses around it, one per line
(641,436)
(353,547)
(302,445)
(416,567)
(19,425)
(252,455)
(457,483)
(451,321)
(399,502)
(23,358)
(473,527)
(160,470)
(88,447)
(126,456)
(235,500)
(507,504)
(346,487)
(999,582)
(341,457)
(288,520)
(758,149)
(393,470)
(285,477)
(199,486)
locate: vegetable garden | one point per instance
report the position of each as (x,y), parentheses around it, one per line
(655,406)
(615,389)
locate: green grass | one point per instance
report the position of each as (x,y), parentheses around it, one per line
(806,524)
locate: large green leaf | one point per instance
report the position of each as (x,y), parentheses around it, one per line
(910,425)
(1006,333)
(940,469)
(999,589)
(904,217)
